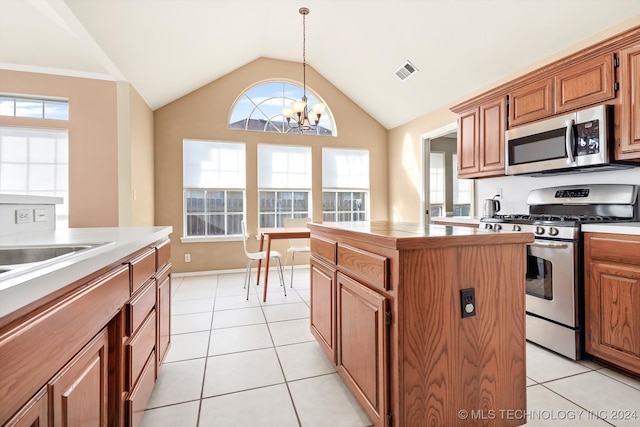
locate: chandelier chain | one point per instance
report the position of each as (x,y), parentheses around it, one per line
(304,53)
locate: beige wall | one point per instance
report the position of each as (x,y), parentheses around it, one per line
(204,114)
(110,143)
(405,141)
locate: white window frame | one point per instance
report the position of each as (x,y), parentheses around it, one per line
(283,169)
(56,179)
(345,171)
(207,172)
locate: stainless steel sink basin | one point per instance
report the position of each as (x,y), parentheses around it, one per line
(27,254)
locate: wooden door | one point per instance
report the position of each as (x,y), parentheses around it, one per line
(531,102)
(629,147)
(363,347)
(323,307)
(493,124)
(468,143)
(612,319)
(79,391)
(586,83)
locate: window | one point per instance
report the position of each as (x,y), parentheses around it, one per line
(345,185)
(35,108)
(462,191)
(214,188)
(284,183)
(260,109)
(436,184)
(36,162)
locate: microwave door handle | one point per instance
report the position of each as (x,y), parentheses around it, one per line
(568,140)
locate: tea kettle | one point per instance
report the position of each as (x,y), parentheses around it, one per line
(490,207)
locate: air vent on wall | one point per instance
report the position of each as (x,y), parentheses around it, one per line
(406,71)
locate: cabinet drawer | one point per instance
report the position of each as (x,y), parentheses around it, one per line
(323,248)
(138,348)
(371,268)
(163,254)
(614,247)
(137,400)
(139,306)
(143,267)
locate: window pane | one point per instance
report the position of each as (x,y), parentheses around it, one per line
(29,108)
(329,201)
(6,106)
(56,110)
(195,201)
(209,164)
(42,150)
(260,109)
(196,225)
(282,166)
(300,201)
(267,201)
(436,178)
(216,225)
(343,168)
(215,201)
(235,201)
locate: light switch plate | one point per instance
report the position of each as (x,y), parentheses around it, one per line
(39,215)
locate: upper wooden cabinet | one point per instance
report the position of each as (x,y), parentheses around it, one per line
(481,140)
(629,146)
(586,83)
(531,102)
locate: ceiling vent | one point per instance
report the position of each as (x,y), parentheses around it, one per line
(404,72)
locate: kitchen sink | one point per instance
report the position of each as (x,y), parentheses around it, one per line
(14,256)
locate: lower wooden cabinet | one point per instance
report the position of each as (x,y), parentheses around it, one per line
(79,391)
(363,348)
(163,308)
(323,307)
(612,298)
(91,356)
(35,413)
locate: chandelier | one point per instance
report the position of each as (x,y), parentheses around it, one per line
(299,110)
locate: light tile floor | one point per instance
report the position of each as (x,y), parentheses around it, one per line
(243,363)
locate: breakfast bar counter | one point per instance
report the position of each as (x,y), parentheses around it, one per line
(425,324)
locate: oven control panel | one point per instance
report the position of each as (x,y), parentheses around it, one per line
(573,193)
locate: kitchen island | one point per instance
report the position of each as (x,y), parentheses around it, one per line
(425,324)
(82,336)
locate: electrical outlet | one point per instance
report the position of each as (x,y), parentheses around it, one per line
(187,257)
(468,302)
(499,193)
(24,216)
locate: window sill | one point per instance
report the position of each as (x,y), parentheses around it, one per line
(210,239)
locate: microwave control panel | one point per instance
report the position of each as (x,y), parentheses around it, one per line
(588,137)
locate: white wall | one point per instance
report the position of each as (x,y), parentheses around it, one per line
(516,188)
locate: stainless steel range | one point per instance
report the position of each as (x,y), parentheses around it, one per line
(555,267)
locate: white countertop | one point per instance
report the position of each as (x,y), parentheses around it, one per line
(617,228)
(20,199)
(18,290)
(459,219)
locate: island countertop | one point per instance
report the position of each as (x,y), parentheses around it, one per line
(21,288)
(399,235)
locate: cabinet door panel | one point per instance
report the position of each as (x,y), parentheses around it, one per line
(585,84)
(363,345)
(323,311)
(468,140)
(164,315)
(33,414)
(493,124)
(79,390)
(531,102)
(629,147)
(613,320)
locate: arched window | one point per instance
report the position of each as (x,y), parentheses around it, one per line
(260,109)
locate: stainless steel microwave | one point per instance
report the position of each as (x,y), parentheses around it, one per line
(569,143)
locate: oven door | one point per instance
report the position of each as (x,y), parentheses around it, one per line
(551,281)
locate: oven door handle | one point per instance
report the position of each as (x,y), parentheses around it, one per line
(549,245)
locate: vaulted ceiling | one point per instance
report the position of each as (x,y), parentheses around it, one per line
(168,48)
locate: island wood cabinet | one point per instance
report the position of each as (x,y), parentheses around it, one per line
(481,139)
(88,355)
(612,298)
(628,147)
(401,345)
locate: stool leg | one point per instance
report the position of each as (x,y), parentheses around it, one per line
(293,262)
